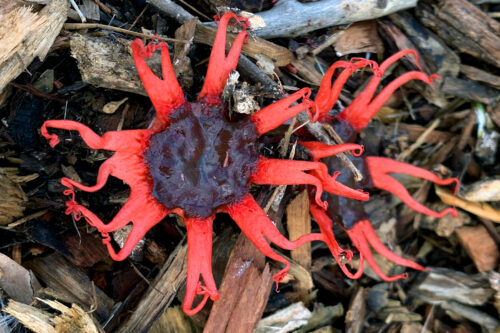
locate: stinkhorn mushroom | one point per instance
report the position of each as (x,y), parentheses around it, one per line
(194,161)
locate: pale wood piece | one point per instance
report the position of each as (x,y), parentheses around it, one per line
(16,21)
(355,316)
(480,209)
(420,140)
(302,278)
(243,292)
(108,64)
(160,293)
(36,43)
(289,319)
(12,198)
(480,247)
(71,284)
(482,190)
(73,319)
(478,36)
(299,224)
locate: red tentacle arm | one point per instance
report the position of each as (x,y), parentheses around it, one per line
(328,93)
(331,185)
(219,66)
(290,172)
(362,236)
(165,94)
(326,227)
(364,107)
(395,57)
(319,150)
(113,140)
(142,215)
(255,224)
(370,89)
(379,167)
(142,222)
(133,209)
(361,111)
(277,113)
(384,95)
(90,137)
(105,171)
(199,234)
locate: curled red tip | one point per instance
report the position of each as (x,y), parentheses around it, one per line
(53,138)
(365,105)
(199,233)
(379,169)
(434,77)
(329,91)
(319,150)
(339,254)
(259,229)
(363,236)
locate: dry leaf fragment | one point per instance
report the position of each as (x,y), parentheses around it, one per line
(111,107)
(359,37)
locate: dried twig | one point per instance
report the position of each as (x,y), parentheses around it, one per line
(78,26)
(27,218)
(421,139)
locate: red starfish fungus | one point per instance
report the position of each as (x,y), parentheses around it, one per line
(348,213)
(194,162)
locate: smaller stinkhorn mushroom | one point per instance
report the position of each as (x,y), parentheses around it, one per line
(376,170)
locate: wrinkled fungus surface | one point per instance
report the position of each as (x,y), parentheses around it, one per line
(192,161)
(202,160)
